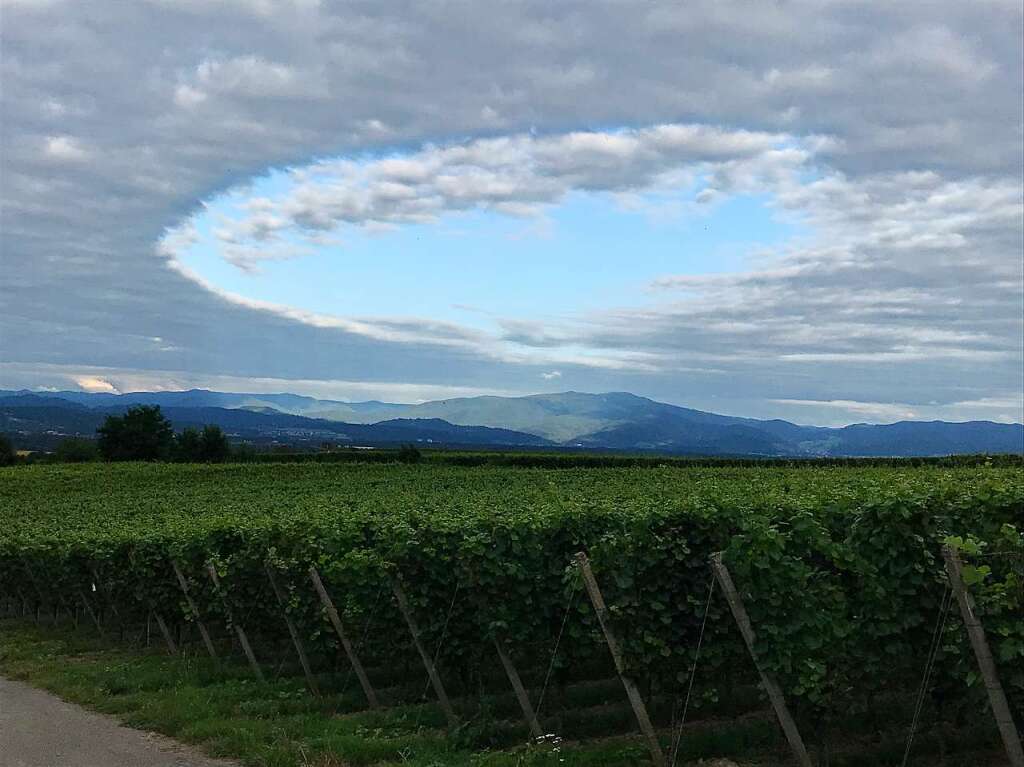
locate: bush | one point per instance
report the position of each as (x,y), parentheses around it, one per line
(409,454)
(214,444)
(7,454)
(76,450)
(207,446)
(188,445)
(141,434)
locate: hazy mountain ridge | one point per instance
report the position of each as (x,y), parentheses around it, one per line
(54,417)
(615,421)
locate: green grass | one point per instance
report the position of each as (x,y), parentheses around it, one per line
(225,712)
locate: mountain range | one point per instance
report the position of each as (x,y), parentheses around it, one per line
(571,420)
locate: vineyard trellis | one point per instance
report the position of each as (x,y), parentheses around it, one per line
(843,591)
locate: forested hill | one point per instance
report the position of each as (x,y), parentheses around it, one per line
(614,421)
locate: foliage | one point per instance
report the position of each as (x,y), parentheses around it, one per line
(141,434)
(76,450)
(562,458)
(207,446)
(993,570)
(188,445)
(409,454)
(7,453)
(840,568)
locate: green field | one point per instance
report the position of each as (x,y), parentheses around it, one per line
(840,569)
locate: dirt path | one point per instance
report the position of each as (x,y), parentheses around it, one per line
(38,729)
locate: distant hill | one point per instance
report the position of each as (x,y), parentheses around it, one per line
(51,418)
(614,421)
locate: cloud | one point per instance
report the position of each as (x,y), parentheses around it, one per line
(518,175)
(904,122)
(17,375)
(95,384)
(249,77)
(188,97)
(551,375)
(843,412)
(65,149)
(884,411)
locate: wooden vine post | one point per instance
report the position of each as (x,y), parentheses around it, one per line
(501,641)
(282,600)
(207,641)
(37,589)
(517,686)
(339,629)
(428,663)
(739,612)
(239,631)
(102,591)
(632,692)
(172,648)
(92,613)
(976,632)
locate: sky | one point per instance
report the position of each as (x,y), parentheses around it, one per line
(805,210)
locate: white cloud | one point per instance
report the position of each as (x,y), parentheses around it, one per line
(188,97)
(95,384)
(97,379)
(914,195)
(518,175)
(252,77)
(878,410)
(65,149)
(894,268)
(842,412)
(551,375)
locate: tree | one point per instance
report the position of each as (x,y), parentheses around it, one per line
(409,454)
(214,444)
(188,446)
(76,450)
(7,453)
(141,434)
(209,445)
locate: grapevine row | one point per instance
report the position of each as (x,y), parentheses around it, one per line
(844,593)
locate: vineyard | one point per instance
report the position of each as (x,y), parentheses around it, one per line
(466,579)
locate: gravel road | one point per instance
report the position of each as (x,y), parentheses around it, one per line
(38,729)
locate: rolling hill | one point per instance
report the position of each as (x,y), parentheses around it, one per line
(613,421)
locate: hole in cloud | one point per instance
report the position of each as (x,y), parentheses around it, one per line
(515,227)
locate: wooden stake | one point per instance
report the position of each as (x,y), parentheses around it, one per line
(92,614)
(154,613)
(435,678)
(103,592)
(35,586)
(172,648)
(739,612)
(335,619)
(194,610)
(632,692)
(296,640)
(239,631)
(517,686)
(976,632)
